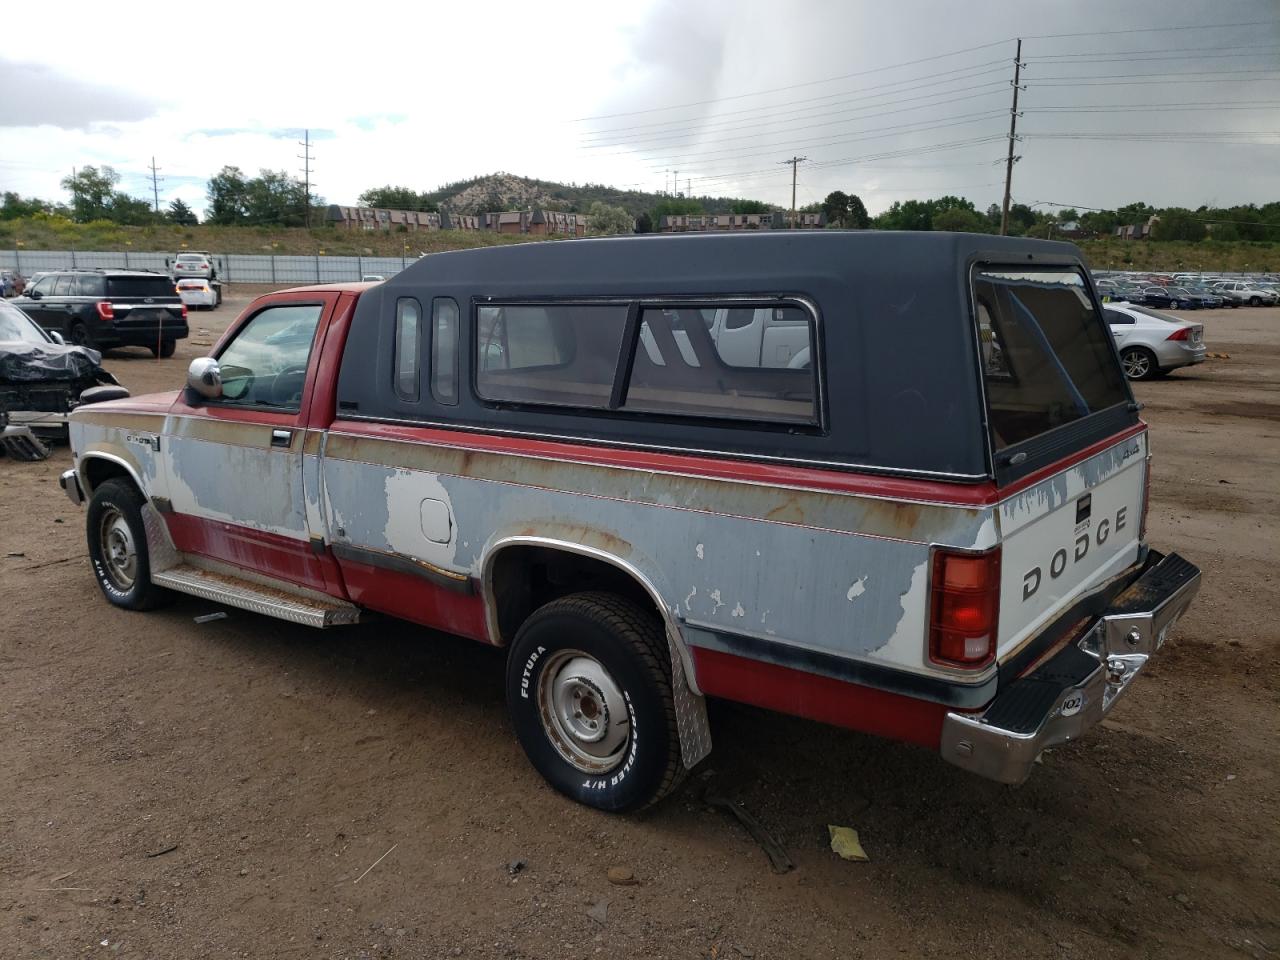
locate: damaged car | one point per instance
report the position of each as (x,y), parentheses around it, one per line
(42,379)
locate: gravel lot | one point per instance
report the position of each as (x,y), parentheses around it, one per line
(181,790)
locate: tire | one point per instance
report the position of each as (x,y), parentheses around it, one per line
(115,533)
(1255,301)
(167,348)
(1139,363)
(78,333)
(609,657)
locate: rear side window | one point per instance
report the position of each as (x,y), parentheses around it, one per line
(154,287)
(65,285)
(1046,355)
(408,337)
(560,354)
(748,363)
(444,350)
(90,286)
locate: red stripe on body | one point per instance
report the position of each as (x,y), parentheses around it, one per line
(415,599)
(259,551)
(836,702)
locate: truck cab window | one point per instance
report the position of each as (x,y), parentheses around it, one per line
(444,350)
(266,364)
(408,339)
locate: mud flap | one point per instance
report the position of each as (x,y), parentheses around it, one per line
(691,713)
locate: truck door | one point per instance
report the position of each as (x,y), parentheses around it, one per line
(235,463)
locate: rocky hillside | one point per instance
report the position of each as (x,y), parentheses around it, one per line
(505,191)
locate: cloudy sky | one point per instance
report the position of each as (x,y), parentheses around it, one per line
(889,101)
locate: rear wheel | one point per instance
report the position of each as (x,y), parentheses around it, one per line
(78,333)
(1139,363)
(166,348)
(118,546)
(1255,301)
(589,691)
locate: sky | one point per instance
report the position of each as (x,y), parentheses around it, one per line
(889,101)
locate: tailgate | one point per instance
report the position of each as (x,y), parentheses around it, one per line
(1068,534)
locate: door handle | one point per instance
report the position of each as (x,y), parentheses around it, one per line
(281,438)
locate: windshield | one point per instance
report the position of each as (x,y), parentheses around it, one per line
(1047,355)
(16,325)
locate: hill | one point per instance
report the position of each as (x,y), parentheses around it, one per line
(505,191)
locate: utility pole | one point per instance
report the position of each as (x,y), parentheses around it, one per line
(155,185)
(305,157)
(675,183)
(1013,137)
(795,162)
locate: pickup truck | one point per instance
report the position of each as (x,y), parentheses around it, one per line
(893,482)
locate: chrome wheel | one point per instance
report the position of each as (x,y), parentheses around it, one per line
(1136,364)
(119,553)
(583,711)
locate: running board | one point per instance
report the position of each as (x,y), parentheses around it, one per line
(255,597)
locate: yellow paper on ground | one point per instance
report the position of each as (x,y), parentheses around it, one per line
(844,841)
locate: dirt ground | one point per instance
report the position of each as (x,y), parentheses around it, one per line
(249,788)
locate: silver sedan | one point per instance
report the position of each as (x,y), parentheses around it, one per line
(1152,343)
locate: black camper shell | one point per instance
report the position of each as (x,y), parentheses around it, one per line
(900,366)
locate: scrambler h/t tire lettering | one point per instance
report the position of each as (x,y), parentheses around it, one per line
(589,690)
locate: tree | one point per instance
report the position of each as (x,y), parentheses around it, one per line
(228,195)
(1021,219)
(675,207)
(1098,222)
(130,211)
(748,206)
(857,217)
(836,207)
(606,221)
(181,214)
(911,215)
(274,197)
(16,206)
(396,198)
(960,220)
(1177,224)
(644,223)
(91,192)
(1067,215)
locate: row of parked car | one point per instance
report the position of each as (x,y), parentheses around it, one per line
(1189,293)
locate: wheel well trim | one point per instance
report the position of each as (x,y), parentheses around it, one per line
(119,461)
(675,638)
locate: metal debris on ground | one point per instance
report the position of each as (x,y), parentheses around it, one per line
(599,912)
(778,856)
(845,843)
(515,866)
(210,617)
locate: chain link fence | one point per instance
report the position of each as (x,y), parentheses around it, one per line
(232,268)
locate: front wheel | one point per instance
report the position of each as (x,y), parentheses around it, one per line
(1139,363)
(589,691)
(1255,301)
(78,334)
(118,546)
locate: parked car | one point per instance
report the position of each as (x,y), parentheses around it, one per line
(1169,298)
(645,513)
(1152,344)
(372,278)
(195,292)
(41,381)
(192,265)
(1252,295)
(108,308)
(1210,299)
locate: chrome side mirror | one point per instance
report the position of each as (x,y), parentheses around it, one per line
(56,337)
(204,377)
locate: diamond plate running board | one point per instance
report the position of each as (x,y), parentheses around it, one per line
(255,597)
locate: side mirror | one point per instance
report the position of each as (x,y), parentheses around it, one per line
(56,337)
(35,294)
(204,377)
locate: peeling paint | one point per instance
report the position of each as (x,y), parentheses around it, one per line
(715,597)
(738,610)
(857,589)
(699,551)
(688,601)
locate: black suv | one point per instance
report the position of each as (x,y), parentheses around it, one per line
(109,308)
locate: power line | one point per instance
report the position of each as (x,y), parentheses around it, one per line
(982,69)
(794,86)
(1044,57)
(1190,26)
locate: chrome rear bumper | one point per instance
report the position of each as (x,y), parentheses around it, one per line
(1077,687)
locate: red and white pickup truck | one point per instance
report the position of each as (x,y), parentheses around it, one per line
(895,482)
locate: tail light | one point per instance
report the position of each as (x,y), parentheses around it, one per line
(184,311)
(105,310)
(1182,333)
(964,608)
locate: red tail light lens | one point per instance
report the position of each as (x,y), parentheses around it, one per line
(964,608)
(184,311)
(1180,334)
(105,310)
